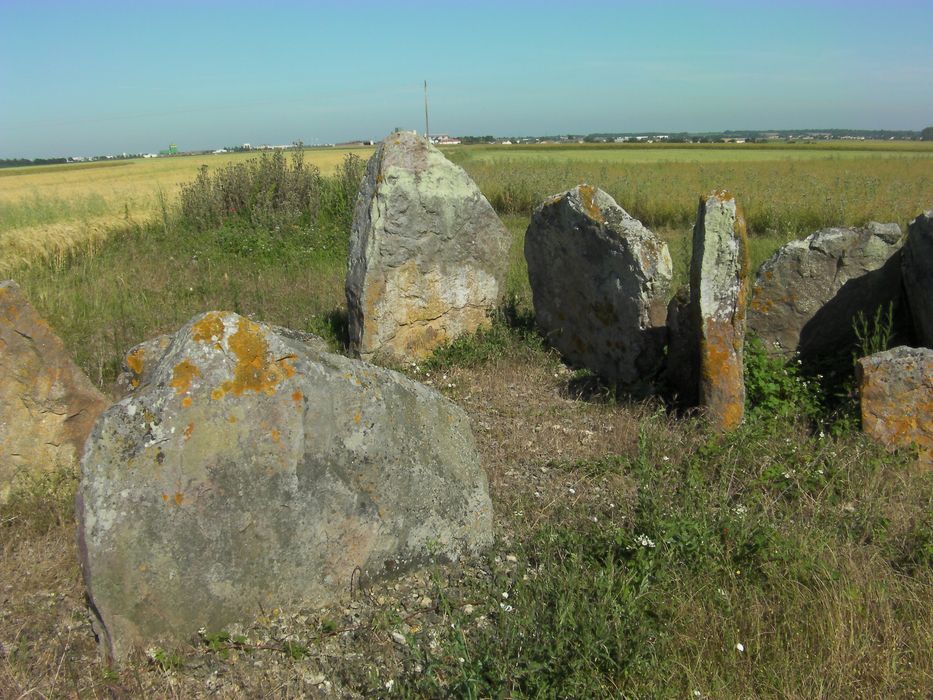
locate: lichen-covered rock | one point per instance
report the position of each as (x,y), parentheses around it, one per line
(47,404)
(808,294)
(599,282)
(428,255)
(252,470)
(896,393)
(918,276)
(718,300)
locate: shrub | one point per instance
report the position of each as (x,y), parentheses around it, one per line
(259,203)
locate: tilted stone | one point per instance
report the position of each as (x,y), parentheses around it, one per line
(47,404)
(809,293)
(252,470)
(896,395)
(428,255)
(600,282)
(718,300)
(918,276)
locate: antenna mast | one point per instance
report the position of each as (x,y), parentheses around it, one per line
(427,132)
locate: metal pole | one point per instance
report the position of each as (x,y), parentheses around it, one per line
(427,132)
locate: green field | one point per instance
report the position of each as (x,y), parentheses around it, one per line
(637,553)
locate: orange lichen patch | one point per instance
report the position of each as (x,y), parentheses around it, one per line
(357,417)
(189,430)
(722,387)
(255,369)
(208,328)
(276,435)
(186,402)
(179,498)
(231,419)
(722,195)
(184,372)
(165,497)
(136,360)
(588,199)
(296,396)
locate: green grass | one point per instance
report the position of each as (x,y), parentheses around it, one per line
(785,192)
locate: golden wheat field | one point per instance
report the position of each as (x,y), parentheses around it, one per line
(47,212)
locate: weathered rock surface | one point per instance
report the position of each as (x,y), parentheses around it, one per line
(252,470)
(718,300)
(47,404)
(896,393)
(600,282)
(808,293)
(428,255)
(918,276)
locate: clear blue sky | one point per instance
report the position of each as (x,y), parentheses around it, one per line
(89,77)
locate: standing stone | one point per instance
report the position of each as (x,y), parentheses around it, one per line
(600,282)
(47,404)
(918,276)
(896,394)
(808,294)
(252,470)
(681,367)
(428,255)
(718,299)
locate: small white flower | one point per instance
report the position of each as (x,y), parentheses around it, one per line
(666,458)
(572,490)
(696,693)
(822,435)
(389,684)
(740,647)
(506,608)
(644,541)
(505,594)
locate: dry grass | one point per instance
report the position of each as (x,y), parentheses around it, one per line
(48,212)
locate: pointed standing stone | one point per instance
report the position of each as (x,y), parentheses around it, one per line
(428,255)
(719,296)
(599,280)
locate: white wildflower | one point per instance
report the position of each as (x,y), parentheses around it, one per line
(740,647)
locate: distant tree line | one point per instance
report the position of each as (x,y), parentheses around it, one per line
(19,162)
(927,134)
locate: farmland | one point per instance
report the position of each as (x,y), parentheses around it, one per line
(47,211)
(637,554)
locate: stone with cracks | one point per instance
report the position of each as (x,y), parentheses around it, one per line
(918,276)
(428,255)
(896,394)
(252,470)
(808,294)
(718,300)
(47,404)
(600,282)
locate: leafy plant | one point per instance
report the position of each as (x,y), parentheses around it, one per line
(876,333)
(774,387)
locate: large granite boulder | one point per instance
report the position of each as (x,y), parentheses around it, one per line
(252,470)
(600,282)
(428,255)
(718,299)
(47,404)
(896,394)
(808,294)
(918,276)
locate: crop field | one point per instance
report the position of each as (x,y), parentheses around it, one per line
(48,211)
(637,553)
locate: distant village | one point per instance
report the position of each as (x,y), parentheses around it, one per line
(734,137)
